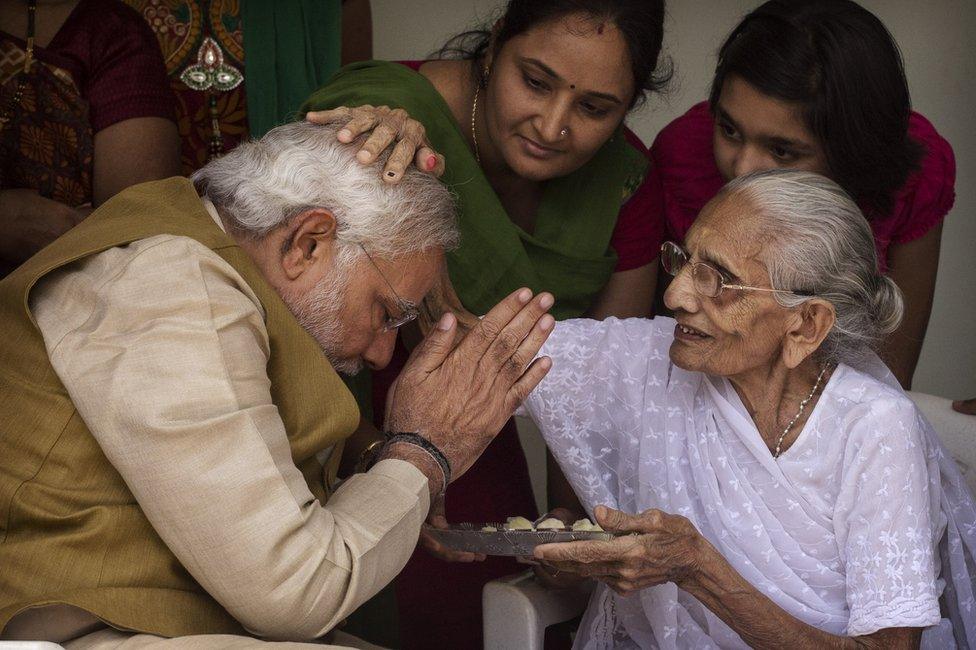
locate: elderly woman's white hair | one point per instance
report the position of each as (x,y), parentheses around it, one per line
(818,241)
(263,183)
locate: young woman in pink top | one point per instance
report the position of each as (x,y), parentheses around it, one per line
(820,86)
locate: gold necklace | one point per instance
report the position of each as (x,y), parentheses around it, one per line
(474,135)
(796,417)
(8,111)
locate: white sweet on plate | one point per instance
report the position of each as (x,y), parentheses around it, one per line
(585,525)
(550,524)
(518,523)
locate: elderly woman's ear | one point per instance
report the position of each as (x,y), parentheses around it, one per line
(806,330)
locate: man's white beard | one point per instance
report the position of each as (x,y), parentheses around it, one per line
(318,313)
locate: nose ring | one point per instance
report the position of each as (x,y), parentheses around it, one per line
(564,132)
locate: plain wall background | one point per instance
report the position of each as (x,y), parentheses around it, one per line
(935,40)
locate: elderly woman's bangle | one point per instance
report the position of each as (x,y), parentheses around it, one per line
(429,447)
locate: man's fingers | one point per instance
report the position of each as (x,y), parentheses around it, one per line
(522,388)
(436,346)
(520,340)
(517,305)
(528,347)
(441,552)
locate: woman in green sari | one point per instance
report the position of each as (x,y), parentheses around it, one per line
(549,183)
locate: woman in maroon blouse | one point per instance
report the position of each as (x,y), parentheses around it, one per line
(819,85)
(86,111)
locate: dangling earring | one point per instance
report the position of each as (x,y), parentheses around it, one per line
(482,83)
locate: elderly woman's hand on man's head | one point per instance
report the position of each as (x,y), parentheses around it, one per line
(387,128)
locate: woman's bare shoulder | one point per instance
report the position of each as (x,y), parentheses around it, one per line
(452,79)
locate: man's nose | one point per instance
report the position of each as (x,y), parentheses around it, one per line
(377,356)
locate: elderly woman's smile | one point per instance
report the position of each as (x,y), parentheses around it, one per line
(728,322)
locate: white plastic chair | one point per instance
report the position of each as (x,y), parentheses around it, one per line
(957,432)
(517,609)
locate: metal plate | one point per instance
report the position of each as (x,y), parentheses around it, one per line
(471,538)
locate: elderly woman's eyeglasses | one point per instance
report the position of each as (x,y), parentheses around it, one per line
(408,310)
(706,279)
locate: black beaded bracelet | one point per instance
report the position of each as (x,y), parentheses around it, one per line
(419,441)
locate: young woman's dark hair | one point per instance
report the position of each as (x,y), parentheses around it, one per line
(640,21)
(841,64)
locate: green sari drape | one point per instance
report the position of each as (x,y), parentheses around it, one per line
(569,253)
(291,47)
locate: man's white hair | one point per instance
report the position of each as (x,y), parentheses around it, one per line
(264,183)
(818,241)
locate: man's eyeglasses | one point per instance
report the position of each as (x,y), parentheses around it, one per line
(706,279)
(408,310)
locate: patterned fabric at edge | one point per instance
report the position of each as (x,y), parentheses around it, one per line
(98,69)
(861,525)
(286,48)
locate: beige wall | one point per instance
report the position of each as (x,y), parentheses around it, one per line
(936,41)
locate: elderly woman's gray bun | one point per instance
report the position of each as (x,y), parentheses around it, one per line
(818,241)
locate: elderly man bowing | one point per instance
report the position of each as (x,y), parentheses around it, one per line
(170,425)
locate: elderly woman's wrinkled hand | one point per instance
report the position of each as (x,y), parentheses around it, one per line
(663,548)
(460,397)
(386,127)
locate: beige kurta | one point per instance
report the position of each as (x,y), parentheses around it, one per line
(220,488)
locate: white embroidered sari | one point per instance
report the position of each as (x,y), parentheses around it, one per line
(853,529)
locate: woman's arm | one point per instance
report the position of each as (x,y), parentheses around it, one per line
(913,267)
(134,151)
(668,548)
(628,294)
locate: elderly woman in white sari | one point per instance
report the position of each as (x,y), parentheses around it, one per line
(781,489)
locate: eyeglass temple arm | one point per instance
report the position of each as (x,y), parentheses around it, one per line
(742,287)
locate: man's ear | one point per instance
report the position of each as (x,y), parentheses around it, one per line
(809,326)
(311,241)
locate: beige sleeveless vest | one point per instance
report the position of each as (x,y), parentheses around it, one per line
(70,530)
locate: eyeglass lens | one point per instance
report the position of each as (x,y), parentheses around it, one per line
(706,280)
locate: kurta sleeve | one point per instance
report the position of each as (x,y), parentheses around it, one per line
(163,349)
(589,406)
(884,519)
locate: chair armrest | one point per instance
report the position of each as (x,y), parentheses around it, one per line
(957,431)
(517,610)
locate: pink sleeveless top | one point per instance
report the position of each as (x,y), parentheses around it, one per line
(684,177)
